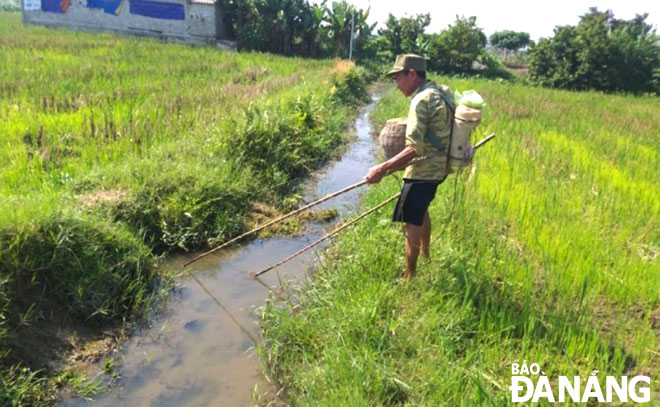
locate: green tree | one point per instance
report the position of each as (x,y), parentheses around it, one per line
(279,26)
(553,61)
(296,27)
(601,53)
(510,41)
(406,34)
(312,19)
(336,29)
(454,50)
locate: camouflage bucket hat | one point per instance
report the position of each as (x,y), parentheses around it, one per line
(406,62)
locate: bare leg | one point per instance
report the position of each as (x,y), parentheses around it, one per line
(413,239)
(426,235)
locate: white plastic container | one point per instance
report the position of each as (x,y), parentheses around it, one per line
(466,119)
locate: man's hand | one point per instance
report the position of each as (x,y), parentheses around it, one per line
(375,174)
(399,161)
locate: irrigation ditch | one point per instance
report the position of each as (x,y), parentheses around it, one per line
(201,350)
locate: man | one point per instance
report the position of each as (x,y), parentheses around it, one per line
(427,139)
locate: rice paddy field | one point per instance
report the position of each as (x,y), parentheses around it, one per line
(117,150)
(545,251)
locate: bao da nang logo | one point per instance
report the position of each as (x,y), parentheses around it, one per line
(529,383)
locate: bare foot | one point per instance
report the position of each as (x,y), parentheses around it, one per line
(408,276)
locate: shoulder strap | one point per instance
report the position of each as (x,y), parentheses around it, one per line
(431,136)
(448,103)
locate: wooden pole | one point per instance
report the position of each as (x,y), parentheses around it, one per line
(484,141)
(274,221)
(327,236)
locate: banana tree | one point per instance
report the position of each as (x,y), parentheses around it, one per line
(337,28)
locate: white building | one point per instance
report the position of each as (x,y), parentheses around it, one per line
(192,21)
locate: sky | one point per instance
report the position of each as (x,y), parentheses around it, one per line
(534,17)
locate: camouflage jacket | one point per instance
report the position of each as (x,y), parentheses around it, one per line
(428,113)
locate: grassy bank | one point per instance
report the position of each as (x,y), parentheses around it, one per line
(118,149)
(547,251)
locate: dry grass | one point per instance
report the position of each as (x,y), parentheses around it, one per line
(343,67)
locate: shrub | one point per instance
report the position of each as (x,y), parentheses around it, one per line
(494,68)
(350,87)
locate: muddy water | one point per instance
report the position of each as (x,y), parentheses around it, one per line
(201,353)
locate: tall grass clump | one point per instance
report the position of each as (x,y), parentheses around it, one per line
(274,141)
(546,250)
(95,269)
(20,386)
(62,266)
(117,150)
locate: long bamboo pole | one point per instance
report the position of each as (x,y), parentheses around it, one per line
(484,141)
(274,221)
(327,236)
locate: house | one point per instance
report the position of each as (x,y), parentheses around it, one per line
(190,21)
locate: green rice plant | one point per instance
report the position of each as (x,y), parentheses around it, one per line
(546,250)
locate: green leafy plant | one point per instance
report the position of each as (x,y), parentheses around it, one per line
(600,53)
(457,48)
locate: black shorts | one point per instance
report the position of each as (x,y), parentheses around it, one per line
(415,198)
